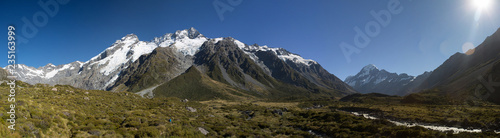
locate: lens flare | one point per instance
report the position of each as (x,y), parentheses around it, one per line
(468,48)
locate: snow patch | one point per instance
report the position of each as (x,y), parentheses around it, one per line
(142,48)
(282,54)
(121,55)
(189,46)
(55,71)
(380,80)
(33,72)
(112,80)
(409,78)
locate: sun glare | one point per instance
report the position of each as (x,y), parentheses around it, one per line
(481,4)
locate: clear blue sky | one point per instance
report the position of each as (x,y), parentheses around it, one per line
(418,39)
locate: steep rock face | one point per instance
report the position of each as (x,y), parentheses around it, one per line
(318,75)
(283,72)
(227,63)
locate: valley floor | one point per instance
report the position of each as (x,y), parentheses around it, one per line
(71,112)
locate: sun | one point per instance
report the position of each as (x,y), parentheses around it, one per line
(481,4)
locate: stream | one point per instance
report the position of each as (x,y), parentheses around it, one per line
(432,127)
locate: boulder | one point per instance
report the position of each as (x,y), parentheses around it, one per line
(203,131)
(191,109)
(185,100)
(278,111)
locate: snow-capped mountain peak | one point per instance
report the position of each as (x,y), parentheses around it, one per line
(186,41)
(372,79)
(193,33)
(130,37)
(50,65)
(370,67)
(129,48)
(190,33)
(367,69)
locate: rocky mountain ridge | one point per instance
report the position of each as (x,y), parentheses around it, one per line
(133,65)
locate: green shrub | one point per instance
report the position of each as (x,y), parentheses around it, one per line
(147,132)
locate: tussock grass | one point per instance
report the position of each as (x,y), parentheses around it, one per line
(72,112)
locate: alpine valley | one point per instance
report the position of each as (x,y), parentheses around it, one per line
(184,84)
(186,64)
(251,68)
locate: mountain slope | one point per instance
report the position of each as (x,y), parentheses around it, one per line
(469,77)
(296,66)
(413,85)
(229,72)
(196,86)
(226,63)
(223,61)
(163,64)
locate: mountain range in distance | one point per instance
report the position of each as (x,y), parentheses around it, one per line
(464,77)
(186,64)
(373,80)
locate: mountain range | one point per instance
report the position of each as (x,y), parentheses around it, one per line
(373,80)
(189,65)
(464,77)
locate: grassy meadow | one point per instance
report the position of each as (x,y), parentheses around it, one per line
(72,112)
